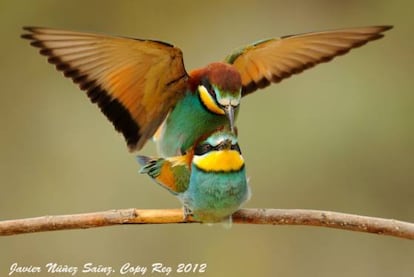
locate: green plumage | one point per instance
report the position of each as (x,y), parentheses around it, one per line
(187,122)
(154,169)
(214,197)
(210,196)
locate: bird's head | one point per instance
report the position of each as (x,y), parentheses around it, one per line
(219,88)
(220,152)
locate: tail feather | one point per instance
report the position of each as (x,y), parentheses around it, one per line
(165,172)
(143,160)
(150,166)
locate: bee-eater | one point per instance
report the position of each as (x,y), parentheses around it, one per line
(210,179)
(142,85)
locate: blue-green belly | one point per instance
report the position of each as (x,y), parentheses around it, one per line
(214,196)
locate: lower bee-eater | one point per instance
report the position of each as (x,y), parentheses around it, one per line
(210,179)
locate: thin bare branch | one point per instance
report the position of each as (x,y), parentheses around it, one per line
(342,221)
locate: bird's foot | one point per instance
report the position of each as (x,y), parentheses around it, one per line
(188,214)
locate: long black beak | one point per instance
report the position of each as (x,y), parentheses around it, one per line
(230,114)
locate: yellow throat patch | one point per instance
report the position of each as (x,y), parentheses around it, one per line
(219,161)
(208,101)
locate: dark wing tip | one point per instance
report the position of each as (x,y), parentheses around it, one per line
(27,36)
(32,37)
(29,28)
(385,27)
(118,115)
(110,107)
(374,35)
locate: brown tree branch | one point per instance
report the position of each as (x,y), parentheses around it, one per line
(342,221)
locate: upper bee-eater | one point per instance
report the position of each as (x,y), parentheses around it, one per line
(210,179)
(142,85)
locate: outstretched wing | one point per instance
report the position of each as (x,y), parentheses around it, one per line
(270,61)
(134,82)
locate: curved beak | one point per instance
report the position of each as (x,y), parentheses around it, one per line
(229,109)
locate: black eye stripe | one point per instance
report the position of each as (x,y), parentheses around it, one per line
(202,149)
(235,147)
(205,148)
(209,87)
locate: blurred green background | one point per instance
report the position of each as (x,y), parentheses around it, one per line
(338,137)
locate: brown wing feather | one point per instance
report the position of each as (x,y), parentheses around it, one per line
(273,60)
(134,82)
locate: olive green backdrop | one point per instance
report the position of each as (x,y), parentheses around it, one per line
(338,137)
